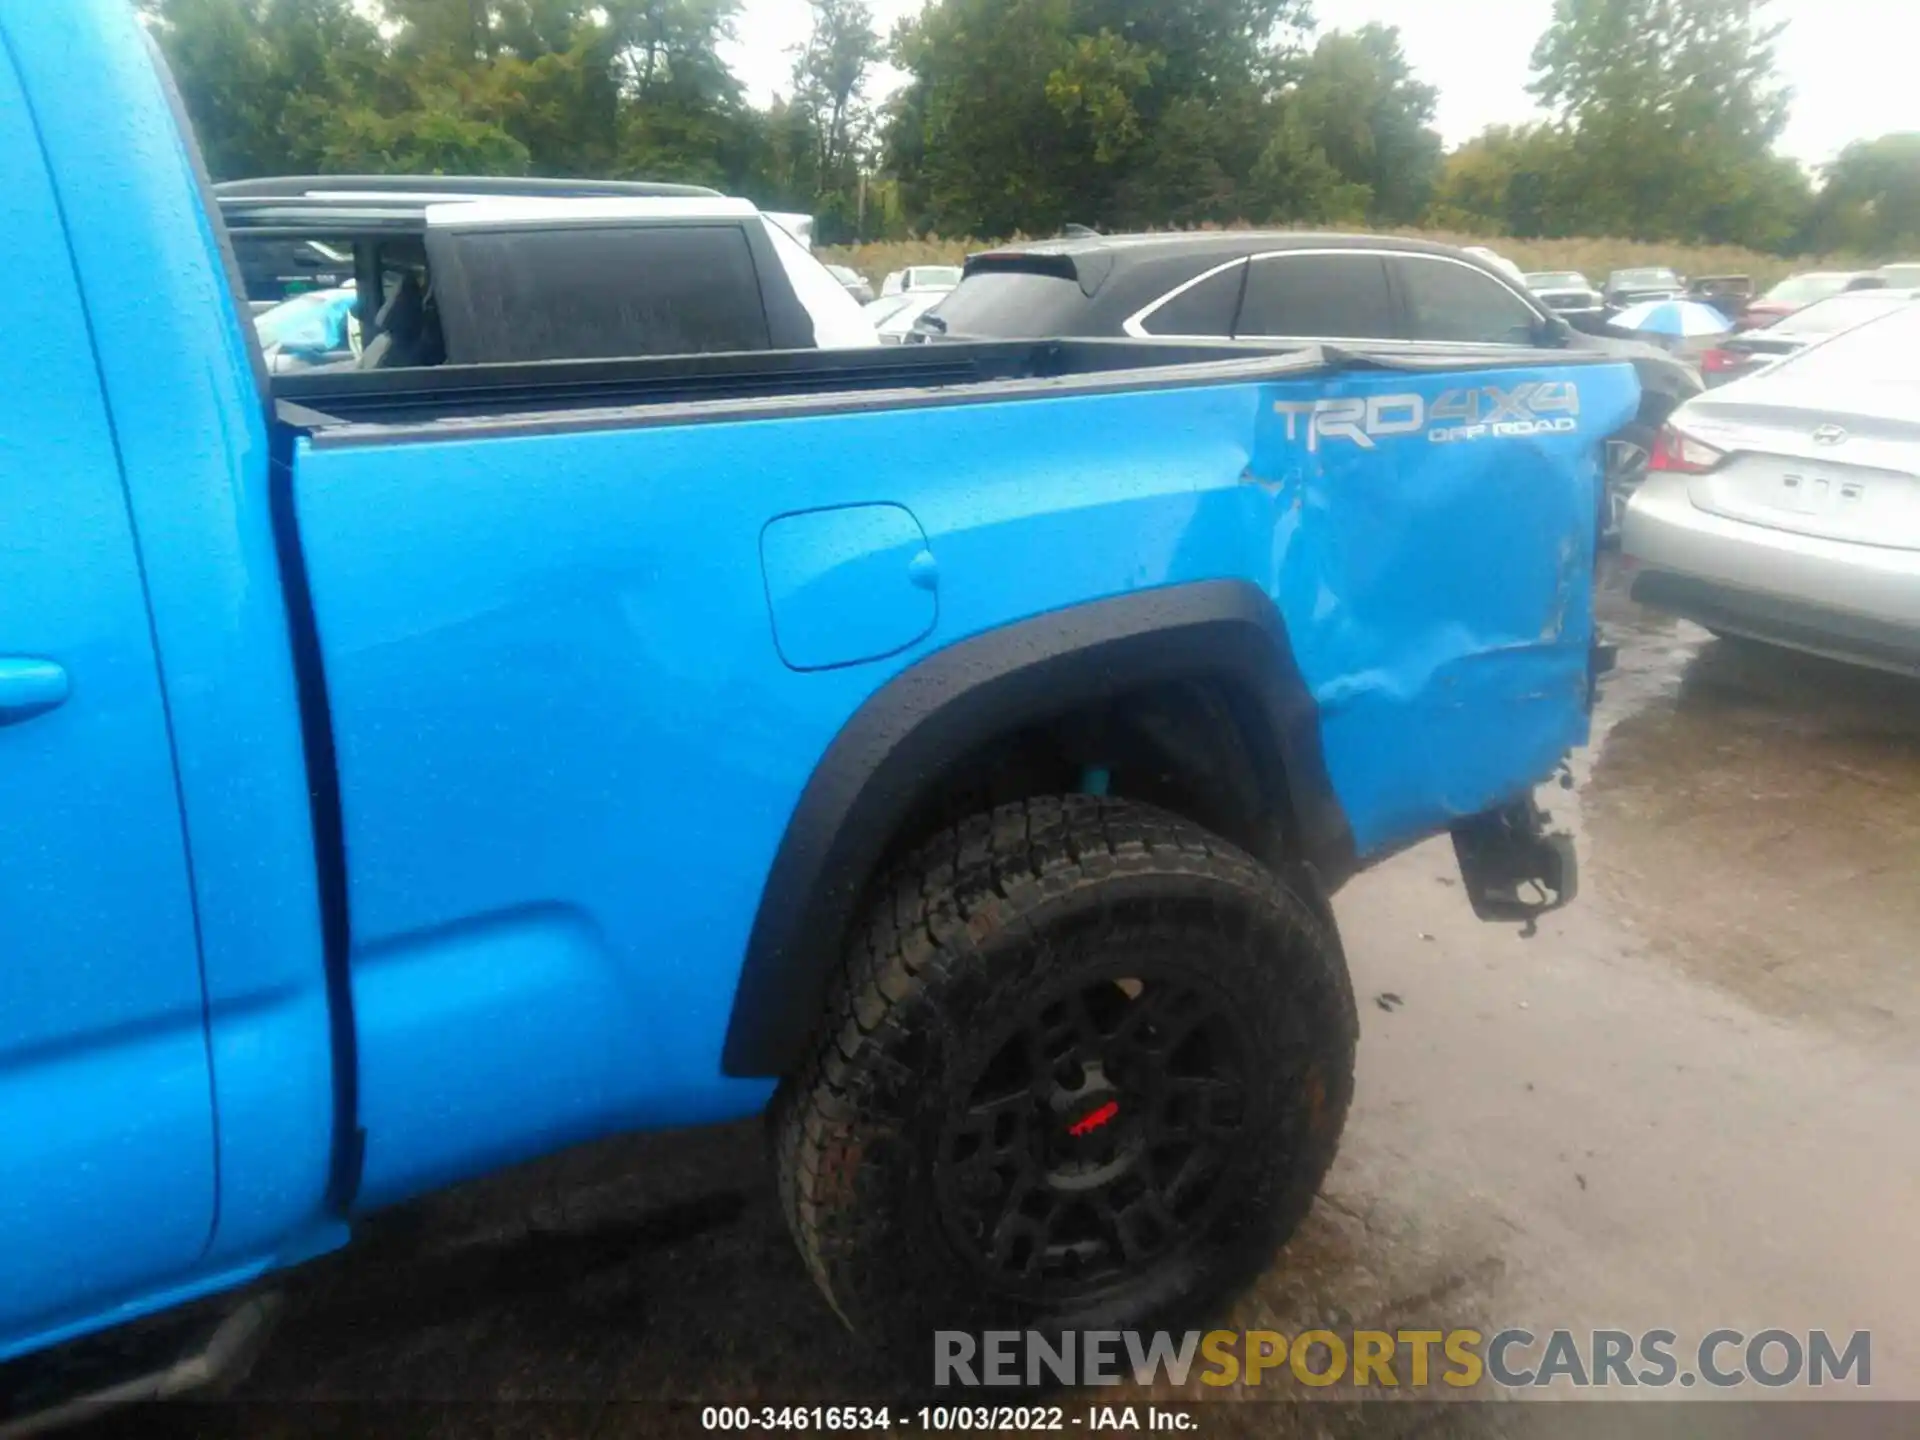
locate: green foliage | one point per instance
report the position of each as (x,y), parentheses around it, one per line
(1871,201)
(1019,116)
(979,147)
(824,139)
(1026,114)
(1670,110)
(254,73)
(1666,112)
(1359,103)
(434,141)
(1506,181)
(1096,91)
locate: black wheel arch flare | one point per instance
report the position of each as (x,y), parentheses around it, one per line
(899,743)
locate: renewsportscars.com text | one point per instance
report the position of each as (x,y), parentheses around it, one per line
(1515,1357)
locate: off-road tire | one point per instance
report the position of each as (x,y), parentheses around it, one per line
(970,950)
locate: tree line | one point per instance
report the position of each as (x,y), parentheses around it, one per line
(1022,116)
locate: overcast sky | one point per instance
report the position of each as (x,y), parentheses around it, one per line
(1854,64)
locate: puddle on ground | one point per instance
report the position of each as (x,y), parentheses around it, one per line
(1753,815)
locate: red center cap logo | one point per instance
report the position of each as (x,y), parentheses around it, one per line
(1094,1119)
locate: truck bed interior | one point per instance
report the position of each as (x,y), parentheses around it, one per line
(345,406)
(323,400)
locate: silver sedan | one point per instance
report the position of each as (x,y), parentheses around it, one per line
(1786,506)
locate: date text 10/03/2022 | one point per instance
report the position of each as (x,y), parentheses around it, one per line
(1017,1419)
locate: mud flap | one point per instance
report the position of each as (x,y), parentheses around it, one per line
(1513,869)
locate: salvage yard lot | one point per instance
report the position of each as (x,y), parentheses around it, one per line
(1593,257)
(1687,1102)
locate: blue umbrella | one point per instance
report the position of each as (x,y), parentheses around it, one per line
(1682,319)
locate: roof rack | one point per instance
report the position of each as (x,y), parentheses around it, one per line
(299,187)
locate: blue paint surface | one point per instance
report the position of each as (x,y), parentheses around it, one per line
(106,1116)
(186,458)
(602,741)
(849,584)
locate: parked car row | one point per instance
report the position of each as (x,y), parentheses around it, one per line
(1752,350)
(1352,291)
(1785,505)
(1571,294)
(1566,292)
(1797,292)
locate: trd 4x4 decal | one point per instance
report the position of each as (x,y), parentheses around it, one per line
(1533,407)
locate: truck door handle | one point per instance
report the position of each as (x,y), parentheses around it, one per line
(29,687)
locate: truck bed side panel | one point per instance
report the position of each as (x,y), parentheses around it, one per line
(569,744)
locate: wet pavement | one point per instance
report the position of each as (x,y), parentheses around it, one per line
(1690,1101)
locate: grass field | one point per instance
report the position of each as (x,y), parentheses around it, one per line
(1593,257)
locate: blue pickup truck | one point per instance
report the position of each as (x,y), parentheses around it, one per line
(411,772)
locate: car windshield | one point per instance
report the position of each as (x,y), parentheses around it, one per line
(1558,280)
(933,277)
(1805,289)
(1645,277)
(1840,312)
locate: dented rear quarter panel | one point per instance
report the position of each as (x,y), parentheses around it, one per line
(1438,591)
(554,864)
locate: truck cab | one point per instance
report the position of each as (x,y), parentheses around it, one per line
(437,270)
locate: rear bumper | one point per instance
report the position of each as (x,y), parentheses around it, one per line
(1854,602)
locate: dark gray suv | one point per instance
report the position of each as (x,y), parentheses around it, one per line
(1346,290)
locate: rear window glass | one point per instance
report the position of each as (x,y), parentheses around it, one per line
(1012,305)
(1207,308)
(1318,296)
(569,294)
